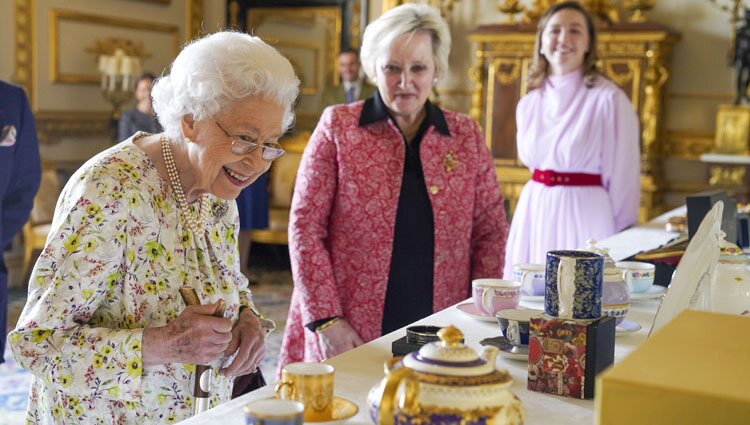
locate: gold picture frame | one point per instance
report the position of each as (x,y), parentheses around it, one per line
(56,16)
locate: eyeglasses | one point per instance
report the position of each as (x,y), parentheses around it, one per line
(244,147)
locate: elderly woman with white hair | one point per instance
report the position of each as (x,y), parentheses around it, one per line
(396,206)
(105,331)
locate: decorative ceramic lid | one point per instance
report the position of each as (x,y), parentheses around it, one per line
(611,272)
(449,357)
(729,252)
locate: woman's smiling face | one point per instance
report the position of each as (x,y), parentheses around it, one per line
(219,170)
(565,41)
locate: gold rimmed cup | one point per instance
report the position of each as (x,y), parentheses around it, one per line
(312,385)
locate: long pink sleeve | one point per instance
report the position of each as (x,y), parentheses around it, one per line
(314,192)
(621,161)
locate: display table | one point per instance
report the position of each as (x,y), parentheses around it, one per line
(359,369)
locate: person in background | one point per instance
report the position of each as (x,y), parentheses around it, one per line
(252,205)
(20,173)
(104,330)
(141,117)
(396,206)
(353,86)
(578,133)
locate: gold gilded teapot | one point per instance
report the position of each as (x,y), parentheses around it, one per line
(445,383)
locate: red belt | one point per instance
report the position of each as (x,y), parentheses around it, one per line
(553,178)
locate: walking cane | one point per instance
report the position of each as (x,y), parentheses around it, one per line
(203,373)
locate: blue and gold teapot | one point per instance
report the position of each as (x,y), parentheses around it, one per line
(445,383)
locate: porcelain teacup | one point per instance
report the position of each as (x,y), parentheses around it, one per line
(274,412)
(531,277)
(514,324)
(493,295)
(639,276)
(312,385)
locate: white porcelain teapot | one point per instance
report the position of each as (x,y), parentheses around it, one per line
(445,383)
(730,292)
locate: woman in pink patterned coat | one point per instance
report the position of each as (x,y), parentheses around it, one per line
(396,206)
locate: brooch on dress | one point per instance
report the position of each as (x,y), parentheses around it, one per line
(449,161)
(220,209)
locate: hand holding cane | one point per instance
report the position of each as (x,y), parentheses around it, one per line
(203,375)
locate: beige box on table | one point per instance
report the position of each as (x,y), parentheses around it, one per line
(696,370)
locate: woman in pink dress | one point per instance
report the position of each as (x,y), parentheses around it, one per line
(578,133)
(396,207)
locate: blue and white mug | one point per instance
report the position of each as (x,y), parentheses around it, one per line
(573,285)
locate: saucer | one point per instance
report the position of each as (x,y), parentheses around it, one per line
(472,311)
(627,326)
(654,292)
(343,410)
(532,298)
(507,349)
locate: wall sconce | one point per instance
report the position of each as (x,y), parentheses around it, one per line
(118,73)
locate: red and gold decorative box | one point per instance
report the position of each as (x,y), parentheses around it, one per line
(566,355)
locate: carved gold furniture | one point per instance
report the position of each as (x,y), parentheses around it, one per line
(636,56)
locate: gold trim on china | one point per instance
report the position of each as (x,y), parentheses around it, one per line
(420,414)
(193,19)
(24,72)
(51,126)
(495,378)
(57,15)
(256,16)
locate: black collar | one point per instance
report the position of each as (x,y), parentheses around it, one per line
(375,110)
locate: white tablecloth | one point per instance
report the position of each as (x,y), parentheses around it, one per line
(359,369)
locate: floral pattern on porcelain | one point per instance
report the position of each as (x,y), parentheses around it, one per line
(587,301)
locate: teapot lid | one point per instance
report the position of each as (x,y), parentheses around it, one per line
(609,263)
(449,357)
(729,252)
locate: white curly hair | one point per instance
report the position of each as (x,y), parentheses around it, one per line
(218,69)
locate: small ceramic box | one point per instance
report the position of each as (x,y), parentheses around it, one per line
(694,370)
(566,355)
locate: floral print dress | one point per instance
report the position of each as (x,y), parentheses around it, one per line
(116,255)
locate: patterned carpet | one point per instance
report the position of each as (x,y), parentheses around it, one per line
(271,295)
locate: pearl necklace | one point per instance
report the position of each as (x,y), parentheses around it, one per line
(196,225)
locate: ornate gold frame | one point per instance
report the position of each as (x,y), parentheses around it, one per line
(309,90)
(332,14)
(51,125)
(58,15)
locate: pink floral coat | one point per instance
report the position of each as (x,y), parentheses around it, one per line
(344,211)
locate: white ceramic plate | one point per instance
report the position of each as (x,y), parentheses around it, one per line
(343,410)
(652,293)
(627,326)
(472,311)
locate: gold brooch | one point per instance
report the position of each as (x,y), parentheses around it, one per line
(449,160)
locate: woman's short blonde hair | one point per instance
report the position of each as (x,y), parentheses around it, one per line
(409,18)
(218,69)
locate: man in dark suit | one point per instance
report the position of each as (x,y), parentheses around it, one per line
(20,172)
(353,86)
